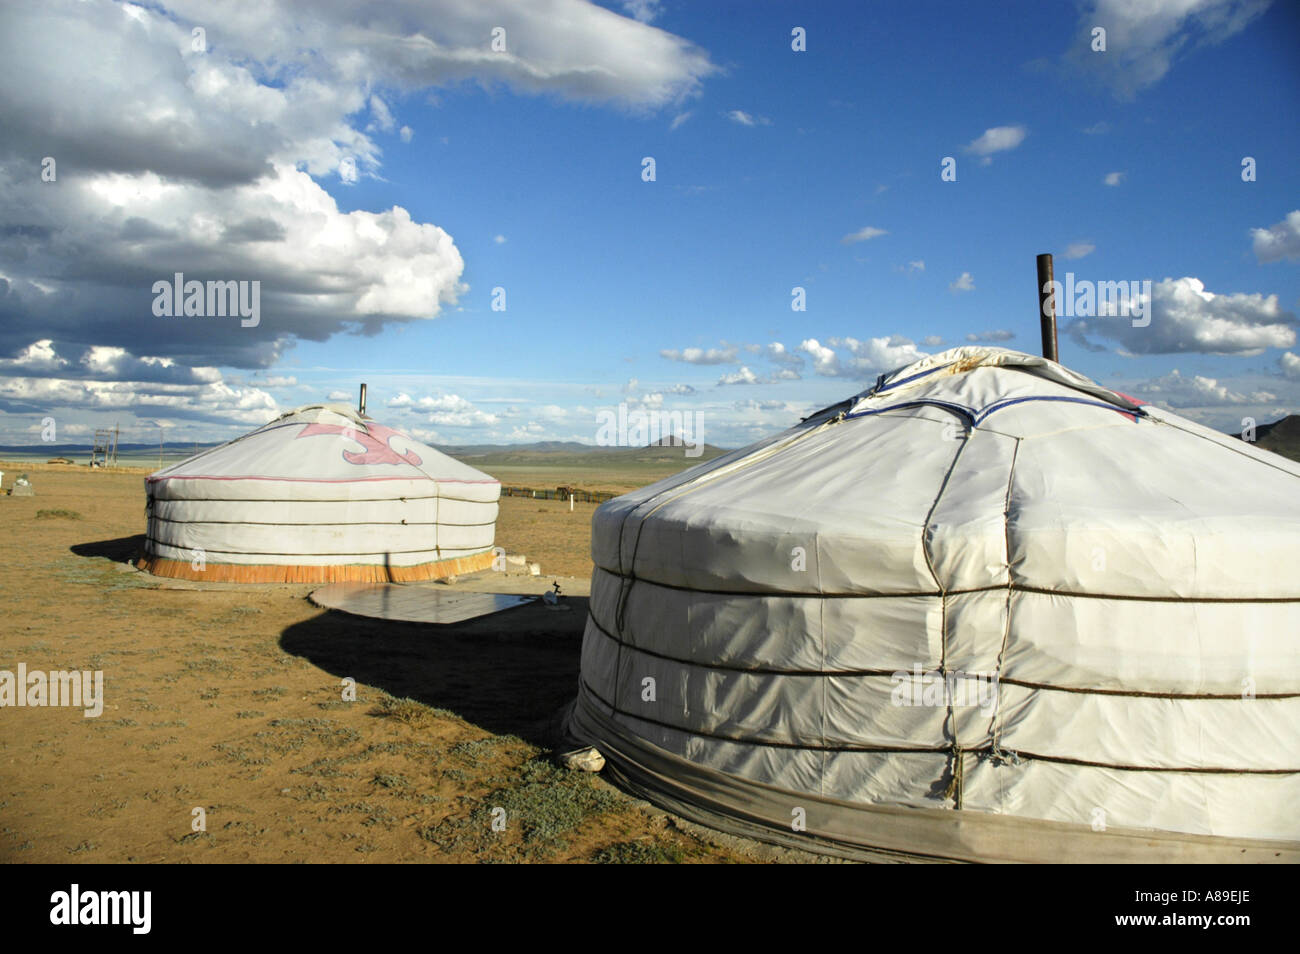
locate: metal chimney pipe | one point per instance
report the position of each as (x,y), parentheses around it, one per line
(361,408)
(1047,307)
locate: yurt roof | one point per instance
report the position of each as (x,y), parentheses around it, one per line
(922,481)
(324,443)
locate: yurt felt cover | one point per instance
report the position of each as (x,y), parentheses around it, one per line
(320,494)
(986,588)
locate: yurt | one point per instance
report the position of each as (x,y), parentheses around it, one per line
(321,494)
(986,610)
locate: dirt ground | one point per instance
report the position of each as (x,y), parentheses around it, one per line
(225,704)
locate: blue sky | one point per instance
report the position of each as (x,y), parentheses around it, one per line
(381,178)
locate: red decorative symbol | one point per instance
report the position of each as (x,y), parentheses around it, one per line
(375,439)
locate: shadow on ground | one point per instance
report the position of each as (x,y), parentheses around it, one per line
(119,550)
(510,673)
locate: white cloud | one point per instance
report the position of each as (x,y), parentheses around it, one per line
(644,11)
(401,400)
(445,402)
(1178,390)
(1144,39)
(701,355)
(777,353)
(338,396)
(406,133)
(863,234)
(742,376)
(212,163)
(825,361)
(1079,249)
(874,355)
(996,139)
(679,119)
(1290,365)
(1184,317)
(963,283)
(103,361)
(932,341)
(1114,178)
(747,119)
(865,358)
(991,337)
(214,402)
(37,356)
(500,239)
(1279,241)
(382,116)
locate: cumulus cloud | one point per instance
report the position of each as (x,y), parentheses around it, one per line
(701,355)
(1290,365)
(742,376)
(1079,249)
(996,139)
(778,354)
(863,359)
(932,341)
(212,163)
(991,337)
(1280,241)
(1143,40)
(37,356)
(1184,317)
(962,283)
(1178,390)
(212,403)
(102,361)
(863,234)
(1113,178)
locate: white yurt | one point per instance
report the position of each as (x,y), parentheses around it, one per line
(321,494)
(985,610)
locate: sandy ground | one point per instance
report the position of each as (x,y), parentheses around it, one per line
(225,703)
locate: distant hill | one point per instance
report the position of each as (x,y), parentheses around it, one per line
(1280,437)
(561,453)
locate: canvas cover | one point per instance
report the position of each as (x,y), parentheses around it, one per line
(985,584)
(321,487)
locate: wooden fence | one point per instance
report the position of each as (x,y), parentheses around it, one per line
(560,493)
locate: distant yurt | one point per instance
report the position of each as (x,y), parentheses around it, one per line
(985,610)
(321,494)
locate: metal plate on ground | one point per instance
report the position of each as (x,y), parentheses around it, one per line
(414,604)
